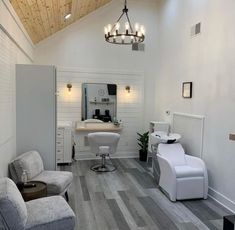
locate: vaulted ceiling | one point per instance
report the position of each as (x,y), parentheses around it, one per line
(42,18)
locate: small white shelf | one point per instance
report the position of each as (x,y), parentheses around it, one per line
(101,102)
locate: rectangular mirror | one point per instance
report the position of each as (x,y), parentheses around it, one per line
(99,101)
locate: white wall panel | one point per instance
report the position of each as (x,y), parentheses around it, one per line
(129,106)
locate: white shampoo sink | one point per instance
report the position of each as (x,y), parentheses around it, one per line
(162,137)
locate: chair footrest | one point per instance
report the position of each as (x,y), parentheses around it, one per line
(103,168)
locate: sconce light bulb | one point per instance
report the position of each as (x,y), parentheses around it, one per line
(128,89)
(69,86)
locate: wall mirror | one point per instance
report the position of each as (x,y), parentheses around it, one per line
(99,101)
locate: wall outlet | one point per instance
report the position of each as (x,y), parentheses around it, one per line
(196,29)
(232,137)
(168,112)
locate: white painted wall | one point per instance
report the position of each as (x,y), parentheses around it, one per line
(82,45)
(207,61)
(15,47)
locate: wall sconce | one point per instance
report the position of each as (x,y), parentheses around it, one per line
(128,88)
(69,86)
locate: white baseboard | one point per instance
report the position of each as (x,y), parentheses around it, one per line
(90,156)
(221,199)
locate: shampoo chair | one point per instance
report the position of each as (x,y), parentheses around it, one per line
(181,176)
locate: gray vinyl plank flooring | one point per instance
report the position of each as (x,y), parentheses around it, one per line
(132,209)
(118,215)
(157,214)
(129,199)
(85,192)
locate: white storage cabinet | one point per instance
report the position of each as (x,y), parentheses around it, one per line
(64,143)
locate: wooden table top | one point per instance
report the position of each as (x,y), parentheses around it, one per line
(32,193)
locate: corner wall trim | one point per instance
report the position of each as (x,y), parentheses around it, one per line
(221,199)
(15,42)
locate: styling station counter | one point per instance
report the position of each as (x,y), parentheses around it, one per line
(97,127)
(83,129)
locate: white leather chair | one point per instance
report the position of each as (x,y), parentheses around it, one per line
(181,176)
(103,144)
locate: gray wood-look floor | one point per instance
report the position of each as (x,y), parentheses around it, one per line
(129,199)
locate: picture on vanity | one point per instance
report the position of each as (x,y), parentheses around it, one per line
(99,101)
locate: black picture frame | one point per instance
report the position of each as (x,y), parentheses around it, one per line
(187,88)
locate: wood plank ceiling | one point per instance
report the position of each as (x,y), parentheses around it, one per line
(42,18)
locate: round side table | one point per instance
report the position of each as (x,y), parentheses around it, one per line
(34,192)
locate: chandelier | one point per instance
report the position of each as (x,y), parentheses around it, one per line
(124,34)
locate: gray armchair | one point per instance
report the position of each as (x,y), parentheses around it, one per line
(57,181)
(40,214)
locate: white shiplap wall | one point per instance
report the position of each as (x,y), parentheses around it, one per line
(14,49)
(129,106)
(7,89)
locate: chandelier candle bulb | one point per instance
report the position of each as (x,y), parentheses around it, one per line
(142,30)
(137,26)
(127,26)
(117,26)
(105,30)
(109,28)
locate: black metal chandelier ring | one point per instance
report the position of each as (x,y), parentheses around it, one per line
(134,38)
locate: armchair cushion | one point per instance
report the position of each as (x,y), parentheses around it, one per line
(29,161)
(49,213)
(188,171)
(57,181)
(13,212)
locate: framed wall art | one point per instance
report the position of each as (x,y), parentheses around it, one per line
(187,88)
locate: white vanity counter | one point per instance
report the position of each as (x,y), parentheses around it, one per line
(97,127)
